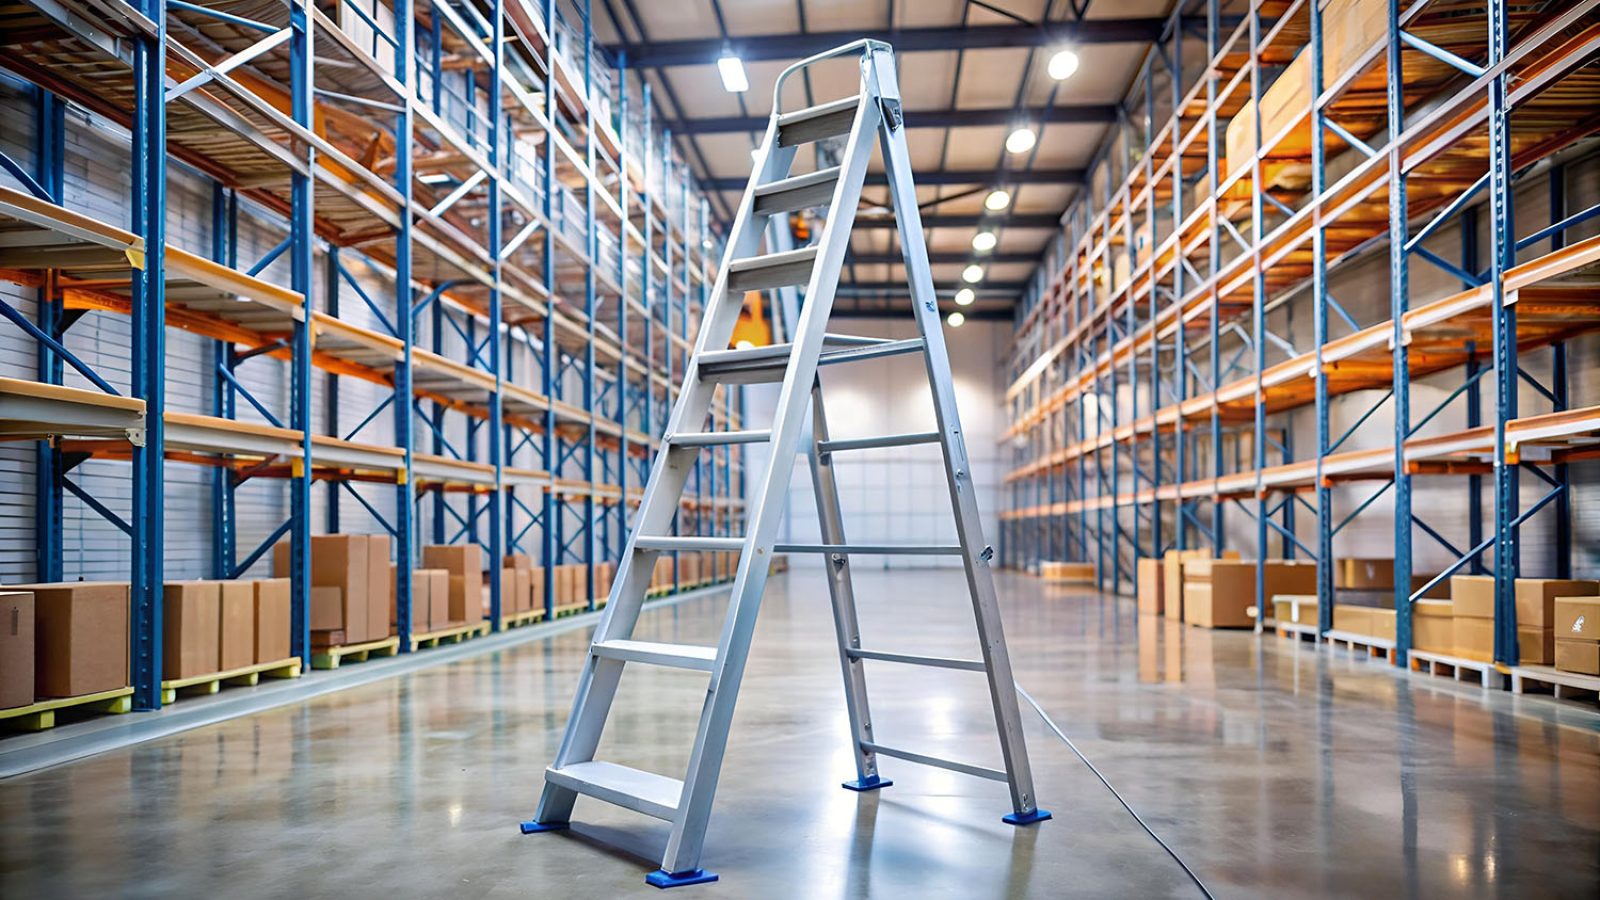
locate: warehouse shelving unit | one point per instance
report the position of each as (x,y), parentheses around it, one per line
(1136,431)
(508,252)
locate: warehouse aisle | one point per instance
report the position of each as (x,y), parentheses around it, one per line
(1269,766)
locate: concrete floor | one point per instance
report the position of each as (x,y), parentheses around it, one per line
(1273,768)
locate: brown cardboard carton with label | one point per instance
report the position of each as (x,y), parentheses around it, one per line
(236,631)
(1577,618)
(272,598)
(80,637)
(16,649)
(191,622)
(1536,598)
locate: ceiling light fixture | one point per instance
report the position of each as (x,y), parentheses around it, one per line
(965,296)
(997,200)
(731,68)
(984,241)
(956,320)
(972,274)
(1021,140)
(1063,64)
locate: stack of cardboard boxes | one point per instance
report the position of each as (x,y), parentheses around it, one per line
(1067,572)
(62,640)
(463,564)
(521,585)
(1161,586)
(350,586)
(1538,625)
(1577,633)
(1220,593)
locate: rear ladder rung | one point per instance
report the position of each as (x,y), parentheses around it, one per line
(876,443)
(938,662)
(924,759)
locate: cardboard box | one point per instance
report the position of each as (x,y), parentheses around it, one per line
(80,634)
(1349,28)
(536,587)
(1536,646)
(1149,586)
(519,561)
(1536,598)
(1473,596)
(1440,591)
(379,586)
(337,561)
(1363,574)
(1433,626)
(1172,583)
(272,598)
(1577,618)
(1582,657)
(1218,593)
(1381,622)
(1474,638)
(236,631)
(191,623)
(438,594)
(16,649)
(328,604)
(1352,619)
(464,562)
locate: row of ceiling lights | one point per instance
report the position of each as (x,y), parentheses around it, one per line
(1062,64)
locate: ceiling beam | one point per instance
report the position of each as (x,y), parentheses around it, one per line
(753,48)
(937,257)
(1018,220)
(933,179)
(1093,113)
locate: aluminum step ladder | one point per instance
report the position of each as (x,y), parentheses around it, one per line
(772,191)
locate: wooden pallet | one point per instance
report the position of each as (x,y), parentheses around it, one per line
(42,715)
(1363,644)
(1489,674)
(526,617)
(244,676)
(1527,679)
(1297,630)
(455,634)
(571,609)
(330,657)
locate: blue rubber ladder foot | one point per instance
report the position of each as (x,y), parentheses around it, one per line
(1032,817)
(869,783)
(661,878)
(539,827)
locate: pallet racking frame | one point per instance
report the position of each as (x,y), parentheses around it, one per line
(1132,432)
(573,316)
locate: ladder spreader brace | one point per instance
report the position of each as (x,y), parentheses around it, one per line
(772,191)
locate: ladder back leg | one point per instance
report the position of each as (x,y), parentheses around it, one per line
(846,626)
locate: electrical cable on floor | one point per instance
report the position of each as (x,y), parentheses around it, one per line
(1136,817)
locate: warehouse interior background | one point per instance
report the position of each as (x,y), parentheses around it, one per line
(1274,327)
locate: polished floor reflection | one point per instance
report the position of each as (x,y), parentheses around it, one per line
(1273,768)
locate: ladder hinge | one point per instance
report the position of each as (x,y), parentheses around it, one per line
(987,554)
(891,112)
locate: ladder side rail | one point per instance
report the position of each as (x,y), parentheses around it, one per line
(958,471)
(705,761)
(841,590)
(597,684)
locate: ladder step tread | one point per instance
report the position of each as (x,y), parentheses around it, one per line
(670,543)
(772,270)
(798,192)
(678,656)
(815,123)
(876,443)
(761,364)
(719,438)
(635,789)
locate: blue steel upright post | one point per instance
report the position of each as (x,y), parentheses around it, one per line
(1503,317)
(302,235)
(149,194)
(405,328)
(1399,287)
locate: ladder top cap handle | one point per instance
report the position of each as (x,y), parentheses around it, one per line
(864,44)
